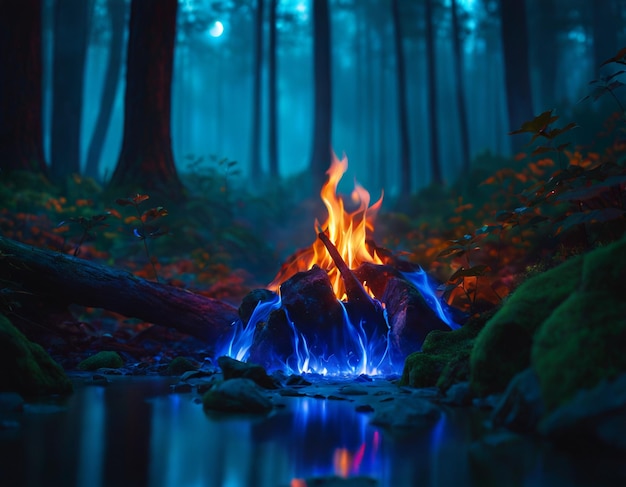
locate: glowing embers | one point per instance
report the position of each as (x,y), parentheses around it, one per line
(346,230)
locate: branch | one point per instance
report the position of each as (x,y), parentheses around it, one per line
(73,280)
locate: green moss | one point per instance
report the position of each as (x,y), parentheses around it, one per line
(180,365)
(26,367)
(503,348)
(444,358)
(584,340)
(422,369)
(109,360)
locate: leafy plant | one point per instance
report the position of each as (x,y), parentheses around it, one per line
(146,228)
(87,224)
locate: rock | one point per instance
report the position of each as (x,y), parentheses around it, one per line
(195,374)
(353,390)
(11,402)
(233,369)
(104,359)
(310,301)
(180,365)
(521,406)
(592,415)
(364,408)
(503,347)
(444,358)
(334,481)
(405,413)
(458,395)
(409,316)
(583,341)
(297,380)
(26,368)
(251,301)
(236,396)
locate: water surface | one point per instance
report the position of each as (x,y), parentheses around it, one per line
(133,432)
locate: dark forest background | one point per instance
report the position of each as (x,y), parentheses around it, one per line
(230,109)
(411,90)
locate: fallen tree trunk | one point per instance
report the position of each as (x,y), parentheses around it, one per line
(69,279)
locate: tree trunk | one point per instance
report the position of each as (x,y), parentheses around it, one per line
(546,52)
(256,171)
(403,121)
(322,125)
(514,34)
(70,280)
(117,14)
(71,18)
(146,161)
(21,132)
(433,119)
(272,145)
(606,25)
(460,88)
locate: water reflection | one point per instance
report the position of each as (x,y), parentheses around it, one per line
(133,433)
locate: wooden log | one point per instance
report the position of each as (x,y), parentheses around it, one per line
(68,279)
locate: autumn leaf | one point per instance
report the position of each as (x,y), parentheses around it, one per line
(619,58)
(153,214)
(538,124)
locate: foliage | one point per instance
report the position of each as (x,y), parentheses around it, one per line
(483,239)
(146,227)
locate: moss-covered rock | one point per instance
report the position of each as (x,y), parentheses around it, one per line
(444,358)
(26,367)
(104,359)
(180,365)
(503,348)
(584,340)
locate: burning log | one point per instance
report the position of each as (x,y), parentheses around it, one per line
(65,280)
(354,289)
(410,317)
(361,307)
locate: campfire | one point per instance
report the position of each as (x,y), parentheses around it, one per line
(338,307)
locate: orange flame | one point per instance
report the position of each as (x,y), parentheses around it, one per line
(346,230)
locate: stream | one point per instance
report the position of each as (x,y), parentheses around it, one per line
(135,432)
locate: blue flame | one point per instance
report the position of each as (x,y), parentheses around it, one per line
(242,338)
(354,352)
(358,354)
(425,285)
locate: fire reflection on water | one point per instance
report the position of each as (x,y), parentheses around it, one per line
(133,433)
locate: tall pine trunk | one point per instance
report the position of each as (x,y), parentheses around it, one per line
(272,132)
(71,18)
(606,26)
(256,171)
(514,34)
(460,88)
(431,73)
(322,124)
(21,129)
(117,14)
(146,161)
(403,116)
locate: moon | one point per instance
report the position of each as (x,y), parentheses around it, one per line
(217,29)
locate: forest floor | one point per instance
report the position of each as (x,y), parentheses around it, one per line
(479,237)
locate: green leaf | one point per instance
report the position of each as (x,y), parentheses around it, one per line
(538,124)
(452,250)
(593,216)
(475,271)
